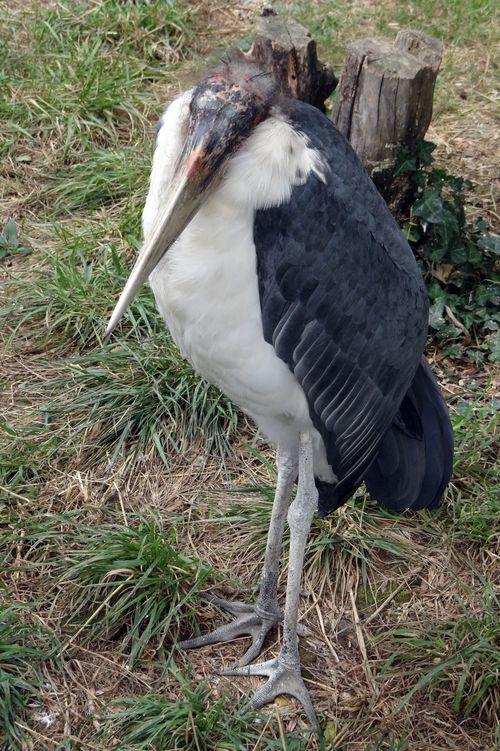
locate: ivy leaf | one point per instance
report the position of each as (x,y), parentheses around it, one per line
(495,295)
(424,152)
(436,319)
(481,294)
(490,242)
(491,325)
(458,255)
(457,185)
(412,232)
(436,292)
(436,252)
(449,230)
(455,350)
(437,178)
(494,345)
(405,163)
(420,179)
(474,256)
(429,208)
(457,258)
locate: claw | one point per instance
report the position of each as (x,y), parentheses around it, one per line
(283,678)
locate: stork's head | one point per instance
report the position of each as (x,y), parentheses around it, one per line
(225,107)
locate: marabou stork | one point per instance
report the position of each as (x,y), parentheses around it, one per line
(288,284)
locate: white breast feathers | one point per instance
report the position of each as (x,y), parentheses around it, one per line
(206,285)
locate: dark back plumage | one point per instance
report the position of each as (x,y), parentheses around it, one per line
(344,305)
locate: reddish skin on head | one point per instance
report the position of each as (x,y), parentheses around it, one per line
(195,161)
(226,106)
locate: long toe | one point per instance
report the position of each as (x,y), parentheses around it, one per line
(259,668)
(255,647)
(225,633)
(235,607)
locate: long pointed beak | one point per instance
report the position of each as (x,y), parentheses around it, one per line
(222,114)
(188,192)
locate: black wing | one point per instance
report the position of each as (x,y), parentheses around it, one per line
(343,301)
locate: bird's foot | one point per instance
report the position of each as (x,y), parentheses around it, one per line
(249,620)
(282,678)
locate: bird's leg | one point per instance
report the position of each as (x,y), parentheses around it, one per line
(257,620)
(283,672)
(267,601)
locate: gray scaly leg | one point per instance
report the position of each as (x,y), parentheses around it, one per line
(283,672)
(257,620)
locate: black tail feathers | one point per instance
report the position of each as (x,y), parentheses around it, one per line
(414,462)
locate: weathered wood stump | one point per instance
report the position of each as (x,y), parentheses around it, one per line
(385,102)
(427,49)
(285,49)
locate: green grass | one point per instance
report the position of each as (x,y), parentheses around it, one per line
(82,81)
(125,582)
(104,177)
(142,396)
(122,399)
(133,393)
(133,584)
(360,532)
(24,646)
(475,492)
(192,724)
(67,299)
(455,21)
(78,102)
(464,655)
(106,58)
(21,458)
(334,23)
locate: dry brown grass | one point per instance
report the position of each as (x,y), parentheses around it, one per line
(351,601)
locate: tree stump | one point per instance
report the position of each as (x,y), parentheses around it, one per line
(427,49)
(385,102)
(286,50)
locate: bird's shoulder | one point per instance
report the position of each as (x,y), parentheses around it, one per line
(337,235)
(344,197)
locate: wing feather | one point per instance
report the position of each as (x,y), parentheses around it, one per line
(343,301)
